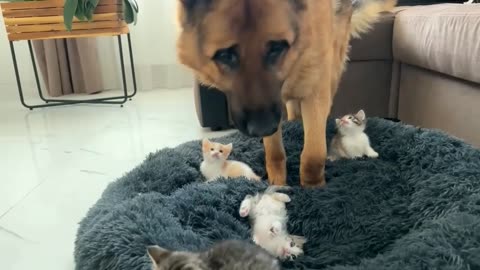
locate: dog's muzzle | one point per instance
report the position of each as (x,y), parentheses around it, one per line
(261,122)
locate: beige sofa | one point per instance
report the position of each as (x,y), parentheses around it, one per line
(419,64)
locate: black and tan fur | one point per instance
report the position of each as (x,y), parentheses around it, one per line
(270,54)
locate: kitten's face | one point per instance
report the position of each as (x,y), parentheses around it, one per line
(163,259)
(351,123)
(215,151)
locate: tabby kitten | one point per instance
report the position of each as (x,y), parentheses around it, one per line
(351,140)
(226,255)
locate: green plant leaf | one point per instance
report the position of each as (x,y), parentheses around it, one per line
(69,11)
(130,10)
(89,8)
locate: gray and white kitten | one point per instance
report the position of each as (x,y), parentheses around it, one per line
(351,141)
(226,255)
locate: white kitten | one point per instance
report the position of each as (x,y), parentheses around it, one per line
(351,140)
(268,214)
(216,165)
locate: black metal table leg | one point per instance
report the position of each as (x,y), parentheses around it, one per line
(37,80)
(132,65)
(17,76)
(122,66)
(60,102)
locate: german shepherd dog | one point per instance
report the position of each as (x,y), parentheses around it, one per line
(272,56)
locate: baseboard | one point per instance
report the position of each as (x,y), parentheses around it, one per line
(171,76)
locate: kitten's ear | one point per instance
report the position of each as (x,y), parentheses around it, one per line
(228,148)
(360,115)
(206,143)
(157,254)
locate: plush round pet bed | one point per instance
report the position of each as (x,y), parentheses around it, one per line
(416,207)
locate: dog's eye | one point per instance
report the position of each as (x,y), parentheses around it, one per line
(227,57)
(275,50)
(211,149)
(221,151)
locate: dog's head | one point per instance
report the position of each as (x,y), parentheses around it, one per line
(245,48)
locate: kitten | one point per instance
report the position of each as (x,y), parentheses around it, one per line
(226,255)
(216,165)
(351,140)
(268,214)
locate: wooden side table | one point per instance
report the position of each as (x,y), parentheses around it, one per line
(42,20)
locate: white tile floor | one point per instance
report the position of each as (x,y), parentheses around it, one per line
(56,162)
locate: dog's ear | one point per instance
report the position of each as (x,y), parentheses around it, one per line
(189,4)
(194,8)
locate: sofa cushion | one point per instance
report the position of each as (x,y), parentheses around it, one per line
(443,38)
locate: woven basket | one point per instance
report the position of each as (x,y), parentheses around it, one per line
(44,20)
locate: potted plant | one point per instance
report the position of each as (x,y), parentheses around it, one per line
(83,10)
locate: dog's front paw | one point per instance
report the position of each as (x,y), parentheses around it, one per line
(312,174)
(277,172)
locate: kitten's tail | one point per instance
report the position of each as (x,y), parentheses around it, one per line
(367,12)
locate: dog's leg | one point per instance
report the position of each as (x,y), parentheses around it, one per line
(293,110)
(312,166)
(275,159)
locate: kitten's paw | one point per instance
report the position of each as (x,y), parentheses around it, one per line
(245,206)
(372,154)
(281,197)
(331,158)
(244,211)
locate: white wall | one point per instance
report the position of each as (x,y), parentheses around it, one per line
(153,39)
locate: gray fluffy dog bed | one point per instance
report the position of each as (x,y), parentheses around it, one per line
(416,207)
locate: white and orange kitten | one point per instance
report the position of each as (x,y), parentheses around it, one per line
(268,214)
(351,141)
(216,165)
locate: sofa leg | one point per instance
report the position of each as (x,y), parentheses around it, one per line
(212,108)
(219,128)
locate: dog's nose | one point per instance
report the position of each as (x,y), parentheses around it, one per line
(260,122)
